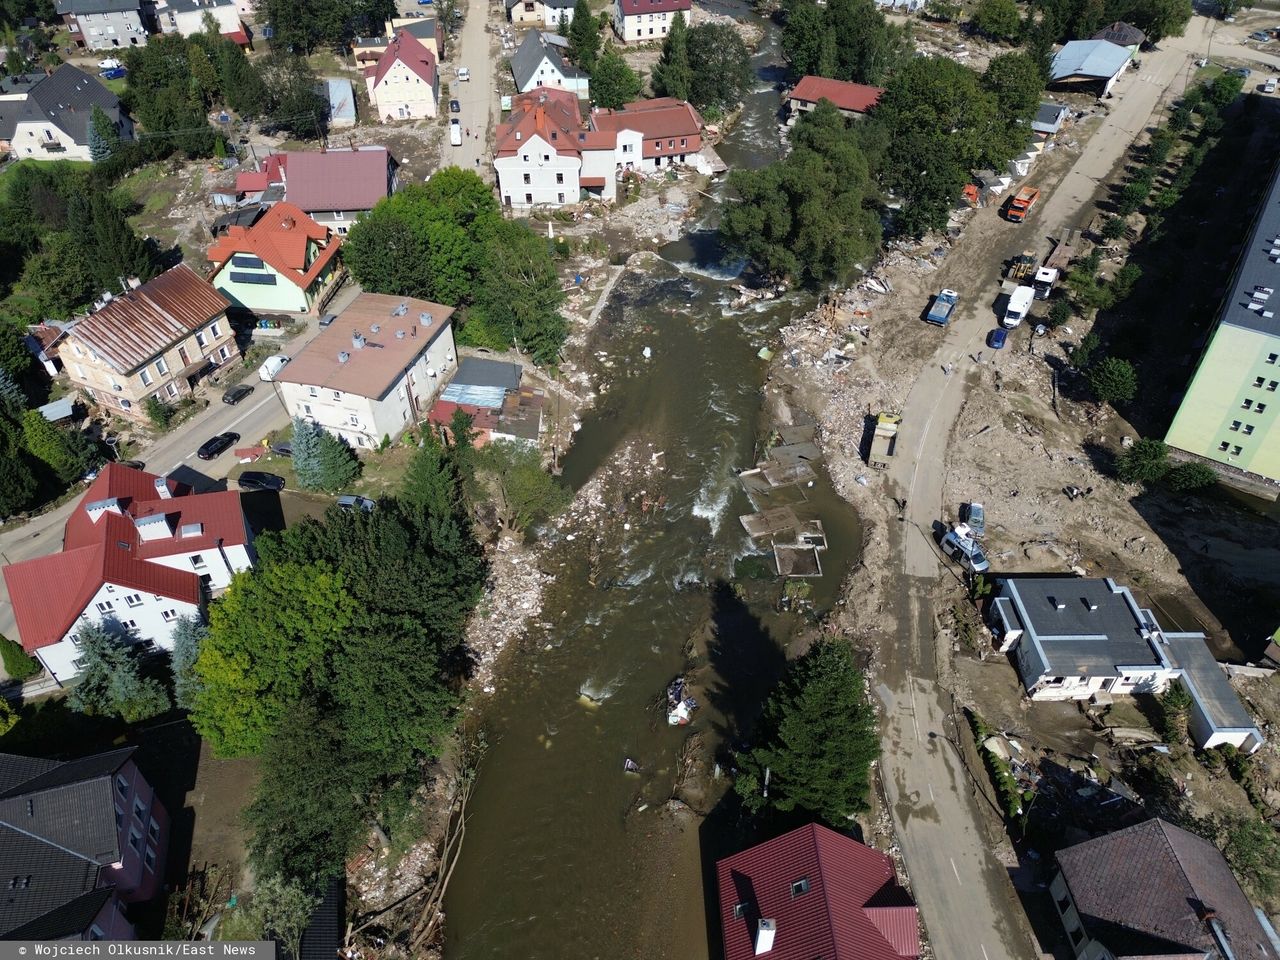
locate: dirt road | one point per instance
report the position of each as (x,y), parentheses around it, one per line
(969,905)
(476,96)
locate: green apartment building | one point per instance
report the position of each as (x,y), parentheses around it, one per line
(1230,415)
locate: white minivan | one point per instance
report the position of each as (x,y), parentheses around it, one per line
(273,366)
(455,132)
(1019,306)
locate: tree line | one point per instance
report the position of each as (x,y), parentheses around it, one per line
(446,240)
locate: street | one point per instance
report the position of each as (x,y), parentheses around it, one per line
(968,903)
(477,96)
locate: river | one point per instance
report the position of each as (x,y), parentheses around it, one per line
(558,860)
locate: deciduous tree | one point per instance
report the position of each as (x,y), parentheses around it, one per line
(721,72)
(523,493)
(283,909)
(613,83)
(519,293)
(997,18)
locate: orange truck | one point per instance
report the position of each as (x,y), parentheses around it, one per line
(1020,204)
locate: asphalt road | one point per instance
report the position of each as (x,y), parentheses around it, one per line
(968,903)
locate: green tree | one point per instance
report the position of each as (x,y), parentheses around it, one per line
(519,292)
(584,38)
(672,74)
(61,451)
(1113,381)
(188,634)
(1187,477)
(321,460)
(1253,850)
(13,399)
(1175,708)
(283,909)
(1016,82)
(59,278)
(293,102)
(111,246)
(721,67)
(111,683)
(1082,353)
(17,665)
(816,738)
(1114,228)
(523,493)
(806,43)
(864,46)
(15,358)
(268,635)
(1161,18)
(1124,281)
(943,11)
(104,139)
(997,18)
(158,412)
(1147,461)
(613,83)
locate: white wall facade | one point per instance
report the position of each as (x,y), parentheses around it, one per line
(1125,681)
(549,75)
(218,564)
(151,617)
(190,22)
(38,140)
(403,95)
(527,13)
(644,27)
(109,31)
(537,175)
(364,421)
(554,16)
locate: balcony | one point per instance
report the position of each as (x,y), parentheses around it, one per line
(52,146)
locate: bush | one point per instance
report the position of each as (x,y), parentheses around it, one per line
(1059,313)
(1082,353)
(159,413)
(1113,381)
(1124,281)
(1114,228)
(17,664)
(1145,462)
(1187,477)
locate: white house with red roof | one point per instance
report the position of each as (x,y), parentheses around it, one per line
(545,156)
(851,99)
(815,893)
(139,552)
(283,262)
(404,84)
(647,21)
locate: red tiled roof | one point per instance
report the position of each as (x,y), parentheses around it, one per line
(281,238)
(658,119)
(406,49)
(857,97)
(854,908)
(483,419)
(547,112)
(238,37)
(338,179)
(49,593)
(142,323)
(254,181)
(633,8)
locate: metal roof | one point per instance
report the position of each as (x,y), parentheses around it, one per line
(1208,684)
(1259,272)
(136,327)
(479,372)
(529,56)
(338,179)
(1089,58)
(79,7)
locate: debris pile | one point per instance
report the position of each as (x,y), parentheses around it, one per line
(513,596)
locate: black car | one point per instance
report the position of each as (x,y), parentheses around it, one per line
(260,480)
(455,106)
(237,393)
(132,464)
(216,445)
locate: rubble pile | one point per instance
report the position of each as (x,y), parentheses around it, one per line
(513,596)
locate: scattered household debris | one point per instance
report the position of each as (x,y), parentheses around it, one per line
(679,707)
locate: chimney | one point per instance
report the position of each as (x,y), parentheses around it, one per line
(357,340)
(287,223)
(162,489)
(1057,604)
(399,334)
(343,356)
(1089,603)
(375,328)
(765,931)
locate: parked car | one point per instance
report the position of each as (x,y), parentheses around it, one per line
(349,501)
(115,73)
(959,544)
(216,445)
(1242,72)
(997,338)
(327,320)
(260,480)
(284,449)
(455,132)
(976,518)
(455,106)
(271,366)
(111,63)
(234,395)
(1261,36)
(1270,86)
(464,74)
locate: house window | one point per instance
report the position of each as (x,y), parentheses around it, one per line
(197,561)
(20,882)
(110,588)
(78,663)
(339,215)
(671,144)
(168,616)
(161,367)
(153,831)
(149,859)
(104,606)
(119,818)
(133,599)
(306,409)
(559,178)
(546,158)
(313,391)
(135,840)
(139,809)
(200,334)
(1258,381)
(75,638)
(224,354)
(528,198)
(214,331)
(527,178)
(337,394)
(800,887)
(1271,385)
(1235,426)
(1247,405)
(146,378)
(122,785)
(129,624)
(171,390)
(1235,451)
(1272,358)
(1248,429)
(1260,408)
(684,141)
(95,932)
(353,420)
(559,198)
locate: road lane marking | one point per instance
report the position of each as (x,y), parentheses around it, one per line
(957,873)
(984,951)
(931,796)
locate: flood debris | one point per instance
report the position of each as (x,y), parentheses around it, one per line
(680,708)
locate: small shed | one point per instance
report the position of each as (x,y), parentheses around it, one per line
(1050,118)
(59,411)
(342,102)
(1122,35)
(1090,64)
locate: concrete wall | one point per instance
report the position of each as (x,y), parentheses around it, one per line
(527,13)
(190,22)
(1234,400)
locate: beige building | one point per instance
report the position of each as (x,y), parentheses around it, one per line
(404,84)
(154,341)
(374,371)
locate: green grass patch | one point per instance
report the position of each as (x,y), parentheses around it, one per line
(116,86)
(238,923)
(159,201)
(1207,73)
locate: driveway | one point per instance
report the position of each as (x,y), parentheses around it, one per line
(967,901)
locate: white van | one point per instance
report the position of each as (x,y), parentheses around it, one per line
(274,364)
(1019,305)
(455,132)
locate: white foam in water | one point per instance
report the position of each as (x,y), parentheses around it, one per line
(725,271)
(595,692)
(637,578)
(713,497)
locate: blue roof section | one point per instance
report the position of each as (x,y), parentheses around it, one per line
(477,396)
(342,99)
(1089,58)
(59,409)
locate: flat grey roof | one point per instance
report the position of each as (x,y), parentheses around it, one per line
(1207,682)
(1257,270)
(478,372)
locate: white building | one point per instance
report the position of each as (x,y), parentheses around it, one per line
(537,63)
(546,13)
(1079,639)
(49,117)
(139,552)
(647,21)
(187,17)
(374,371)
(404,84)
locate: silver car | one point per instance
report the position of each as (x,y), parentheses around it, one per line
(976,518)
(959,545)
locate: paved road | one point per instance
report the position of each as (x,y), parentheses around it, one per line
(477,96)
(174,452)
(969,905)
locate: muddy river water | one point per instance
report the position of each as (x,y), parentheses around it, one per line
(559,861)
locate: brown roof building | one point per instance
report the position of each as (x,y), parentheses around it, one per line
(851,99)
(1155,890)
(156,340)
(374,371)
